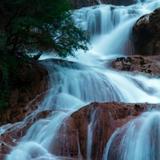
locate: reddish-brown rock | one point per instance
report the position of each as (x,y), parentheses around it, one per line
(146,34)
(71,140)
(10,138)
(106,118)
(145,64)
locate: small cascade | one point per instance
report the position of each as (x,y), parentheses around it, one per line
(103,19)
(110,27)
(90,131)
(101,85)
(119,36)
(35,144)
(138,140)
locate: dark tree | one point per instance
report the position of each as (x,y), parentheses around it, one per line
(33,26)
(38,25)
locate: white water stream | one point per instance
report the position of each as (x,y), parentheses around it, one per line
(86,80)
(140,139)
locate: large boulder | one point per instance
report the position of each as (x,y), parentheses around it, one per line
(102,119)
(146,34)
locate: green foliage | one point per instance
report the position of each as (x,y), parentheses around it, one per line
(39,25)
(28,26)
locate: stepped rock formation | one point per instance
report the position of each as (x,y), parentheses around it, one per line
(146,33)
(84,133)
(71,140)
(72,137)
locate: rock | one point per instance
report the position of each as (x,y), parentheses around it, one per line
(146,34)
(84,3)
(149,65)
(71,140)
(28,88)
(105,118)
(11,136)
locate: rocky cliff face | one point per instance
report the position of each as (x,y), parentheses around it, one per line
(29,86)
(84,3)
(146,34)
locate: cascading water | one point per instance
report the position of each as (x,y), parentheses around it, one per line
(138,140)
(111,38)
(91,127)
(73,84)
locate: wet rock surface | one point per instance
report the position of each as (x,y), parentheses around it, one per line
(104,118)
(28,89)
(146,34)
(11,137)
(72,139)
(149,65)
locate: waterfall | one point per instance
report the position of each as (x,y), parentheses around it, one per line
(85,79)
(35,144)
(90,132)
(139,139)
(110,26)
